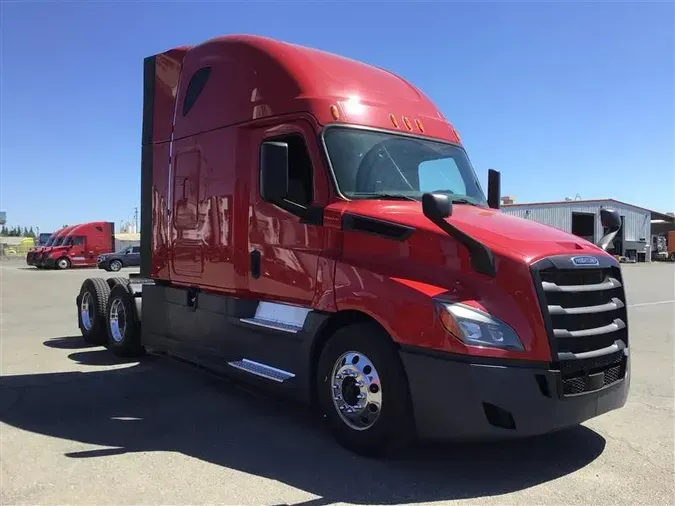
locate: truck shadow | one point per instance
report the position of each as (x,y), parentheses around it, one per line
(157,405)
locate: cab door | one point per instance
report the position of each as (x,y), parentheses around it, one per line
(284,250)
(78,251)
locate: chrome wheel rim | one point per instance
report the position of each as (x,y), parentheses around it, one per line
(86,311)
(356,390)
(115,265)
(118,320)
(63,263)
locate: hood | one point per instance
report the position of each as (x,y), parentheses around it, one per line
(506,235)
(51,249)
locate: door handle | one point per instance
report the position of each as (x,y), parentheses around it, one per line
(255,264)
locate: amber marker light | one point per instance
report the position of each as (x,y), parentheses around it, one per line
(335,112)
(419,125)
(407,123)
(393,119)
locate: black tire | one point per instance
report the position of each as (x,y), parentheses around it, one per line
(115,265)
(394,427)
(62,263)
(124,339)
(95,292)
(117,281)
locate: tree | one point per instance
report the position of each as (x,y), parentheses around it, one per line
(31,232)
(4,230)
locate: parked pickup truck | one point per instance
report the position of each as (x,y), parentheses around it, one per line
(128,257)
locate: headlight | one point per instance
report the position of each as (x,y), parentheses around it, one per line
(477,328)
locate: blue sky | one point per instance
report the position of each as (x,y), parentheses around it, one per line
(564,99)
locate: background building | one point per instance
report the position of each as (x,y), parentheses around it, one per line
(582,218)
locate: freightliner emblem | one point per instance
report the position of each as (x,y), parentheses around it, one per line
(585,261)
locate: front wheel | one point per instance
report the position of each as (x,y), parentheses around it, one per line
(363,392)
(62,263)
(115,265)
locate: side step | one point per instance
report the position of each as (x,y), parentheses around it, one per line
(262,370)
(277,316)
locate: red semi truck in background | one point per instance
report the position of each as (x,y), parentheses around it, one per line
(313,225)
(80,247)
(34,254)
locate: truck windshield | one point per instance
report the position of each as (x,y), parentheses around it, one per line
(57,241)
(369,164)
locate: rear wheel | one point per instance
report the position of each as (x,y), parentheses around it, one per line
(124,328)
(62,263)
(362,391)
(92,303)
(115,265)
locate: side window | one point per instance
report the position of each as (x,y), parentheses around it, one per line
(195,88)
(300,171)
(78,241)
(136,249)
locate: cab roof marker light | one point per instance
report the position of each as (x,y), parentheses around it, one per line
(420,126)
(335,112)
(393,119)
(406,121)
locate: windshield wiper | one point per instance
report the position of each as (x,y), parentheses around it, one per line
(461,200)
(388,196)
(456,200)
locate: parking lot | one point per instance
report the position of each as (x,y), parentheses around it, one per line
(80,427)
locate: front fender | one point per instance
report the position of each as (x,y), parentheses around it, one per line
(406,309)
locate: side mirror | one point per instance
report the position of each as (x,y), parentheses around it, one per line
(611,221)
(436,206)
(494,189)
(274,171)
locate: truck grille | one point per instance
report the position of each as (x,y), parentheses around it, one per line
(584,309)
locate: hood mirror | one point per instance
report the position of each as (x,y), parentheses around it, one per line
(611,223)
(436,206)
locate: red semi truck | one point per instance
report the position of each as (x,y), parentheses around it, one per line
(80,247)
(312,225)
(35,254)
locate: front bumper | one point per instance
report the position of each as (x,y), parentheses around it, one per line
(458,400)
(49,263)
(102,264)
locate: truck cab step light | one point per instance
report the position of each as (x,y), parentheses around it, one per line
(262,370)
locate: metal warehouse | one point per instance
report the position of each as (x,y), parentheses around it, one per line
(582,218)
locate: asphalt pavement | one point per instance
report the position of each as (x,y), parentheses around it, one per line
(78,426)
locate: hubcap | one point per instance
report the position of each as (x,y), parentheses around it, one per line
(118,320)
(87,311)
(115,266)
(63,263)
(356,390)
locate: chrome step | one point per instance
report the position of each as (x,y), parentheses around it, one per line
(262,370)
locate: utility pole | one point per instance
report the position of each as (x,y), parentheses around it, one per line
(136,219)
